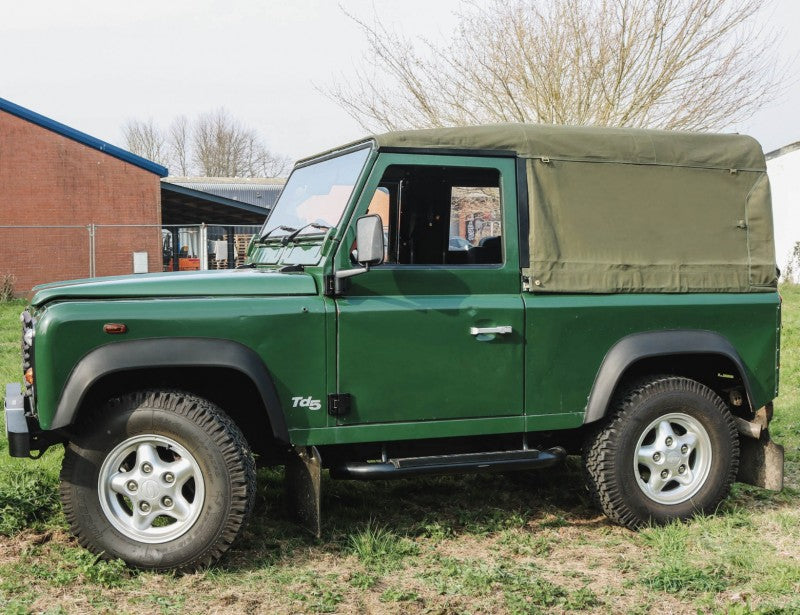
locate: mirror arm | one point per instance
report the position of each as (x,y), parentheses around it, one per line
(349,273)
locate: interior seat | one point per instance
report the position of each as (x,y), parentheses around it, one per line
(489,251)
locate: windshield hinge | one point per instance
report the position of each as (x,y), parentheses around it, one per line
(330,285)
(334,287)
(339,404)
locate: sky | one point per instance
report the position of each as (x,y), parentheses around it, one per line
(94,64)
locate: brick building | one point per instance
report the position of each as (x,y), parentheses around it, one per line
(56,177)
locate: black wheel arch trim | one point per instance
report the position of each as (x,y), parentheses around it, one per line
(168,352)
(648,344)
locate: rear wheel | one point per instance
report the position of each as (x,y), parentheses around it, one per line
(160,479)
(670,449)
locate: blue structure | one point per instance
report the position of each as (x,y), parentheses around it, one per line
(82,137)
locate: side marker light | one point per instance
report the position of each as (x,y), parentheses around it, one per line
(115,328)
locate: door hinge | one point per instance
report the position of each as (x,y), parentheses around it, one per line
(339,404)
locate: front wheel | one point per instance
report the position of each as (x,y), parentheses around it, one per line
(669,450)
(160,479)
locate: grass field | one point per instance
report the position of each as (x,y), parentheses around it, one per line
(473,544)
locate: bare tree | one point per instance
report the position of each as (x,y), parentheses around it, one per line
(216,145)
(144,138)
(223,146)
(272,165)
(792,273)
(178,144)
(260,162)
(673,64)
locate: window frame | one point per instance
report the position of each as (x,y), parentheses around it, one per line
(467,278)
(507,189)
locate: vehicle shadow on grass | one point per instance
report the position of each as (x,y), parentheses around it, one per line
(430,507)
(440,507)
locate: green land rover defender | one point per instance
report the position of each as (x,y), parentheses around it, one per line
(490,298)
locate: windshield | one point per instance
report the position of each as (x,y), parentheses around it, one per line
(316,194)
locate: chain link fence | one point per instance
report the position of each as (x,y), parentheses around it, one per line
(32,255)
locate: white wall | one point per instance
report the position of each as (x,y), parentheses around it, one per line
(784,178)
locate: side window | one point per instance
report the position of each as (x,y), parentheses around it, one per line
(436,215)
(476,222)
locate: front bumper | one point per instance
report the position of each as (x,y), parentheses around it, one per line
(22,428)
(17,431)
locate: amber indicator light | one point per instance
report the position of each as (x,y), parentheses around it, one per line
(115,328)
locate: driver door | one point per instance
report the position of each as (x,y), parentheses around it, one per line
(436,332)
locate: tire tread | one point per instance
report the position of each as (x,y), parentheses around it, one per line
(224,433)
(602,441)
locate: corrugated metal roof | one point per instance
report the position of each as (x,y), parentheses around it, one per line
(182,205)
(81,137)
(261,192)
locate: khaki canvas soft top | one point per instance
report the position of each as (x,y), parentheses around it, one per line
(592,144)
(627,210)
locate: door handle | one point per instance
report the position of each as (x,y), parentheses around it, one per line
(501,330)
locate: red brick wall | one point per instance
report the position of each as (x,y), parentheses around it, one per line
(48,179)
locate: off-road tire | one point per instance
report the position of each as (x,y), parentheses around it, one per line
(205,432)
(609,450)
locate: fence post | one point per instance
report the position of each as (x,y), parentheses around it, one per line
(231,248)
(176,249)
(92,265)
(203,246)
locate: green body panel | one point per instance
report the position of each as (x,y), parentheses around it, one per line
(237,282)
(449,428)
(412,357)
(567,337)
(289,333)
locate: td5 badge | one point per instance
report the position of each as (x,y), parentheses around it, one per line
(306,402)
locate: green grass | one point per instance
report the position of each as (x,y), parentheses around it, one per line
(379,549)
(28,491)
(28,498)
(471,544)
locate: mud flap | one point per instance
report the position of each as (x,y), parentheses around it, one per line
(303,488)
(761,462)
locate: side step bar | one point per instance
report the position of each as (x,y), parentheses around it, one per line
(499,461)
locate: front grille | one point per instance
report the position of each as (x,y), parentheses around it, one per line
(28,323)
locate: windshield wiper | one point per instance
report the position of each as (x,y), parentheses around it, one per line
(285,240)
(280,227)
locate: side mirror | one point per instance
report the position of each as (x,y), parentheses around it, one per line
(369,237)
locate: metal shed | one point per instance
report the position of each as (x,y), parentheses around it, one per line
(218,200)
